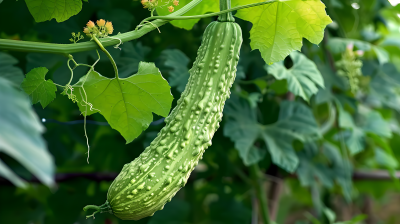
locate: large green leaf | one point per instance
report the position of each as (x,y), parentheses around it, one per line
(243,129)
(303,79)
(202,8)
(279,27)
(295,122)
(20,136)
(178,61)
(60,10)
(38,88)
(126,103)
(8,69)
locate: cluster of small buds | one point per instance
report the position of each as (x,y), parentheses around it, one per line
(350,67)
(152,4)
(149,4)
(76,37)
(103,28)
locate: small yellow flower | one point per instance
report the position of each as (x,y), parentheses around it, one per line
(86,30)
(109,27)
(171,8)
(176,2)
(101,22)
(90,24)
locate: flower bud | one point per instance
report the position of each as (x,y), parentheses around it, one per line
(109,27)
(90,24)
(101,22)
(171,8)
(176,2)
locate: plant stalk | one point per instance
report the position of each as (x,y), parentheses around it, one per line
(255,174)
(108,55)
(227,17)
(65,49)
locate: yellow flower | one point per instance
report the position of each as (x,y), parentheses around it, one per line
(90,24)
(176,2)
(101,22)
(171,8)
(109,27)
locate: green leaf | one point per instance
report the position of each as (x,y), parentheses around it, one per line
(200,9)
(60,10)
(278,28)
(295,122)
(8,70)
(381,54)
(20,137)
(38,88)
(132,55)
(242,128)
(303,78)
(376,124)
(385,159)
(178,61)
(126,103)
(338,45)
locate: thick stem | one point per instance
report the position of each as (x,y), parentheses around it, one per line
(108,55)
(227,17)
(65,49)
(262,197)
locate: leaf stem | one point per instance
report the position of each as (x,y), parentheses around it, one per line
(65,49)
(108,55)
(255,174)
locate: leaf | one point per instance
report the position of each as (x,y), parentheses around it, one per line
(376,124)
(120,17)
(338,45)
(278,28)
(38,88)
(242,128)
(200,9)
(60,10)
(20,136)
(126,103)
(295,122)
(381,54)
(8,70)
(384,159)
(132,55)
(178,61)
(303,78)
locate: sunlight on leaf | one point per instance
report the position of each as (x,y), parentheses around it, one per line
(61,10)
(279,27)
(202,8)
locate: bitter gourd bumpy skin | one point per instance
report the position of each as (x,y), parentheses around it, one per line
(146,184)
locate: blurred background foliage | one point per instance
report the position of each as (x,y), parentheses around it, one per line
(328,157)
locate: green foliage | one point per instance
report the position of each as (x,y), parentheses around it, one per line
(8,70)
(295,122)
(178,62)
(20,137)
(303,79)
(126,103)
(38,88)
(278,28)
(43,10)
(202,8)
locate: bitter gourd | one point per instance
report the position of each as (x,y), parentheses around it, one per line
(146,184)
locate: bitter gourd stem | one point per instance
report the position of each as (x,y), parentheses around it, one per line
(227,17)
(108,55)
(260,192)
(65,49)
